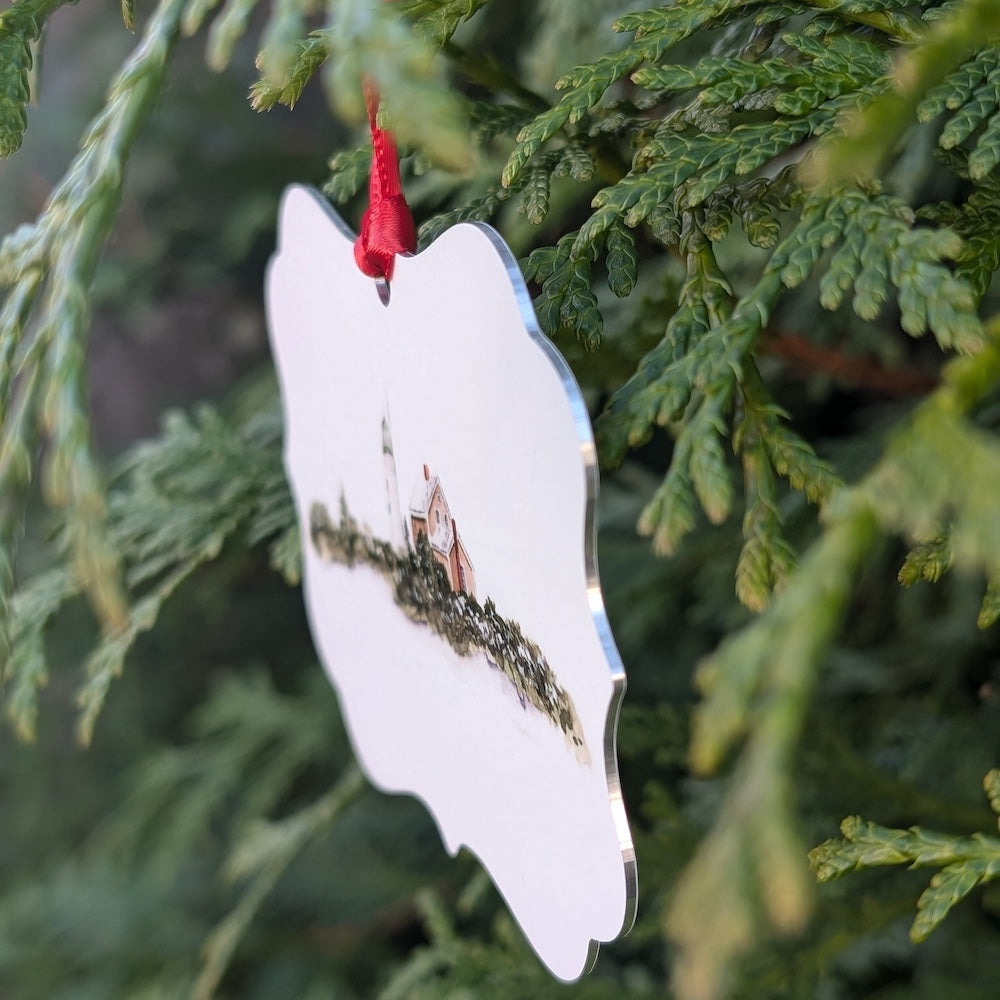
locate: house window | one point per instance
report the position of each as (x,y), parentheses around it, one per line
(437,515)
(461,577)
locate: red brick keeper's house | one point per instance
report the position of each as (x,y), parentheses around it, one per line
(430,515)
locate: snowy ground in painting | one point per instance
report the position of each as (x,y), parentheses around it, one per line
(497,777)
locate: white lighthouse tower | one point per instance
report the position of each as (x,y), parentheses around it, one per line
(398,535)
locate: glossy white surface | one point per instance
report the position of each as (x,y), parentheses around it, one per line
(475,392)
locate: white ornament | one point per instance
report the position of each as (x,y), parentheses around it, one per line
(444,475)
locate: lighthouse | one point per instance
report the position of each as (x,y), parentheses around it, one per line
(398,535)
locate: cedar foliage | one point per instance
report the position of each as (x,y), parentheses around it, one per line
(765,234)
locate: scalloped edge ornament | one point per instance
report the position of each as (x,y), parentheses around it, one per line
(438,427)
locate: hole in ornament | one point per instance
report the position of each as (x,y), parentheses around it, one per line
(382,287)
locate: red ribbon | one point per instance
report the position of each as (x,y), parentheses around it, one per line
(387,226)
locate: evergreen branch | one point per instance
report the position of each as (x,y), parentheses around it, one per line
(954,446)
(576,163)
(977,110)
(566,301)
(991,786)
(426,964)
(669,517)
(868,136)
(481,204)
(940,462)
(273,88)
(279,40)
(367,39)
(880,246)
(59,255)
(928,560)
(722,80)
(440,19)
(285,554)
(180,499)
(756,687)
(965,862)
(957,87)
(824,72)
(348,174)
(8,529)
(15,438)
(767,446)
(697,469)
(868,845)
(896,24)
(655,31)
(758,206)
(705,347)
(794,459)
(742,681)
(622,260)
(107,660)
(766,558)
(709,475)
(653,396)
(481,209)
(989,610)
(670,25)
(21,26)
(86,202)
(972,93)
(263,856)
(30,612)
(488,120)
(534,201)
(179,794)
(699,165)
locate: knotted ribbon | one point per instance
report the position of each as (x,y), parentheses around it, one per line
(387,226)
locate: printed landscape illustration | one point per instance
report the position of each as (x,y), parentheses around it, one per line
(433,583)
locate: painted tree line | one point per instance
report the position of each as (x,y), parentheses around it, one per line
(420,588)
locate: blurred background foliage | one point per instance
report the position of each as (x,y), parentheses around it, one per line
(214,838)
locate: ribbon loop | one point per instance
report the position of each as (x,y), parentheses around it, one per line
(387,226)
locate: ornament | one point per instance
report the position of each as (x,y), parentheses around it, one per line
(444,475)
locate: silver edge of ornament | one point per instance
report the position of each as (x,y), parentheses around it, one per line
(595,598)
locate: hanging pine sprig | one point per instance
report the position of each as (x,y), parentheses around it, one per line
(966,863)
(47,269)
(367,39)
(176,502)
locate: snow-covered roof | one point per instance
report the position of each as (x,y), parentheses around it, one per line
(420,499)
